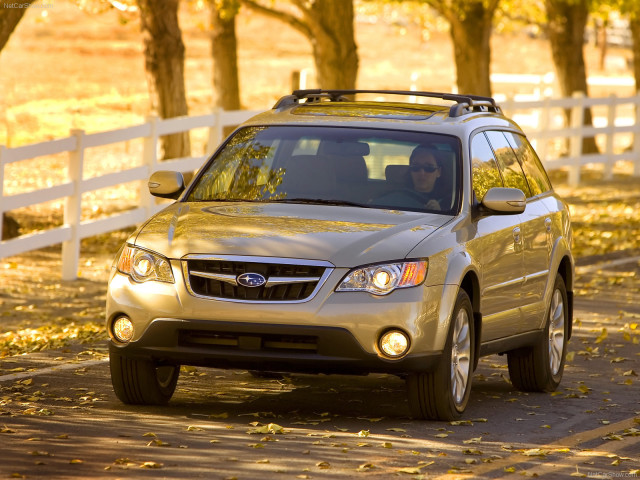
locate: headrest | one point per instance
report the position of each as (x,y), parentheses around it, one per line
(397,173)
(344,149)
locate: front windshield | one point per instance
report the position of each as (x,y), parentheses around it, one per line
(375,168)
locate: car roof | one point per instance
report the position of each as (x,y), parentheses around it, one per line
(443,112)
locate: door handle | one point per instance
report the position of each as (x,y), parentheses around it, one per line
(516,235)
(547,224)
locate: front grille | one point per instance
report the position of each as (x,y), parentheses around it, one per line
(285,282)
(240,341)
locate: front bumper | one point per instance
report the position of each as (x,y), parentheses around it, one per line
(331,332)
(252,346)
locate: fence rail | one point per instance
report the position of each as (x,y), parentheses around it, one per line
(74,229)
(542,120)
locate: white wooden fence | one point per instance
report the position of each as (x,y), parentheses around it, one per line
(74,229)
(542,120)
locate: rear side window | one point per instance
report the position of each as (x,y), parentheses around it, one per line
(484,169)
(508,162)
(533,169)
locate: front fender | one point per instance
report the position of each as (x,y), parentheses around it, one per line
(457,265)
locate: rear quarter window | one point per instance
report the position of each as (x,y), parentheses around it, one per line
(484,169)
(508,162)
(533,170)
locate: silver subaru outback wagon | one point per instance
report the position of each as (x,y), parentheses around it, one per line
(333,235)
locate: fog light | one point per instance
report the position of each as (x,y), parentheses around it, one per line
(394,343)
(122,329)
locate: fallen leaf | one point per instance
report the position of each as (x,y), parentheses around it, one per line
(471,451)
(535,452)
(472,440)
(619,360)
(365,467)
(395,429)
(151,465)
(363,433)
(602,336)
(323,465)
(219,415)
(272,428)
(410,470)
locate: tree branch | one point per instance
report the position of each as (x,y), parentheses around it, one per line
(285,17)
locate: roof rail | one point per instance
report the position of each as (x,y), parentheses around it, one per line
(463,103)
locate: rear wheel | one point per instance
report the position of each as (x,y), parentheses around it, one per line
(142,382)
(443,394)
(539,368)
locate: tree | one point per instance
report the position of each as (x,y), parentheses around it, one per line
(631,8)
(566,21)
(10,16)
(224,51)
(470,23)
(164,63)
(328,24)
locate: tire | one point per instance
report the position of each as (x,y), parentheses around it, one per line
(443,394)
(142,382)
(539,368)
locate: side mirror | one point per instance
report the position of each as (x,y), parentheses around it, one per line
(505,200)
(165,184)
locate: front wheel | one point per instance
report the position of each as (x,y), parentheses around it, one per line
(444,393)
(142,382)
(539,368)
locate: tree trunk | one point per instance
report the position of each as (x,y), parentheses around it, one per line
(334,48)
(10,227)
(164,62)
(471,34)
(9,19)
(566,23)
(328,24)
(635,33)
(224,50)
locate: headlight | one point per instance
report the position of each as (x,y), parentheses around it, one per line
(384,279)
(144,266)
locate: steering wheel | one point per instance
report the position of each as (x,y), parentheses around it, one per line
(415,199)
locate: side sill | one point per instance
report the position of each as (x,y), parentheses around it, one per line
(502,345)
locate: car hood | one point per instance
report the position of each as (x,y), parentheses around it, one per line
(345,236)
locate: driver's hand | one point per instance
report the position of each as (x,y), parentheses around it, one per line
(433,205)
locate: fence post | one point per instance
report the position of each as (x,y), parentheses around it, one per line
(3,149)
(73,209)
(150,160)
(635,168)
(611,129)
(215,131)
(543,128)
(575,142)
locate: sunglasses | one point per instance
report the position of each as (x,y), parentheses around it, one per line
(426,168)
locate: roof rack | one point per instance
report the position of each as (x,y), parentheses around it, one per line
(464,103)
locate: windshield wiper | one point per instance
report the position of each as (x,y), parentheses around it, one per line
(319,201)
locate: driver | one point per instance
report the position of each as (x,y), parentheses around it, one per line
(425,170)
